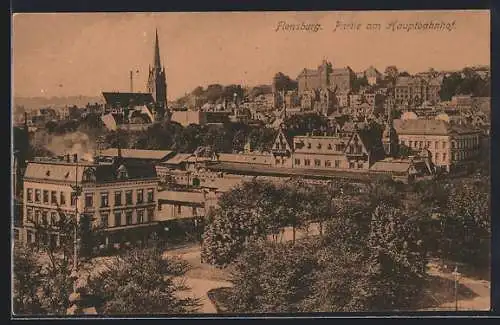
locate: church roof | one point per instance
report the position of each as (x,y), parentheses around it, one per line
(119,99)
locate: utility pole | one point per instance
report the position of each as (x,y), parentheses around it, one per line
(77,191)
(456,275)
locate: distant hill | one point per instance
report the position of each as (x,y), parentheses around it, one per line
(37,102)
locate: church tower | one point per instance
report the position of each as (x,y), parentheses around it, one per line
(389,136)
(157,83)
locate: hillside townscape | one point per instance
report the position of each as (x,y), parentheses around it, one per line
(331,190)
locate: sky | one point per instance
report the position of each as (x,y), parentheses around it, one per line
(68,54)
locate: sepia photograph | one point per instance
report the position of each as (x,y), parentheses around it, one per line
(227,163)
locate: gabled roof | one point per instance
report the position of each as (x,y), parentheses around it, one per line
(128,99)
(137,153)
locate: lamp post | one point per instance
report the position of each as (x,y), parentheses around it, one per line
(77,191)
(456,276)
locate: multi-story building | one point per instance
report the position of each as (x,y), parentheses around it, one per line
(341,79)
(451,146)
(119,196)
(309,79)
(416,90)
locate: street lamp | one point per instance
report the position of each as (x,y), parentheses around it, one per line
(456,276)
(77,191)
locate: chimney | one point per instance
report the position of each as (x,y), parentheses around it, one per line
(75,157)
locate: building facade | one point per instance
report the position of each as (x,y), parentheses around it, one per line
(451,146)
(118,197)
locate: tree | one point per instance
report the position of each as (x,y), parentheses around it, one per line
(239,219)
(391,73)
(359,82)
(284,82)
(27,281)
(142,281)
(450,86)
(396,260)
(271,277)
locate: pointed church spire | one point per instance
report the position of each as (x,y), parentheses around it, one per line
(157,62)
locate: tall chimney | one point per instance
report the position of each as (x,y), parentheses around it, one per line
(131,82)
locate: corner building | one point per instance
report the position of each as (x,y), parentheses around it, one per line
(118,196)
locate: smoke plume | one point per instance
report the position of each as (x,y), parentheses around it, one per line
(72,143)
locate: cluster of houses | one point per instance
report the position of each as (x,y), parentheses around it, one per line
(131,193)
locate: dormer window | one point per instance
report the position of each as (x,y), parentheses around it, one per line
(330,146)
(309,146)
(122,172)
(89,175)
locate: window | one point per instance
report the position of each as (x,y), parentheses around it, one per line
(351,165)
(128,197)
(436,145)
(73,199)
(329,146)
(104,200)
(89,200)
(150,212)
(140,216)
(453,144)
(444,156)
(53,218)
(37,217)
(62,198)
(297,162)
(118,218)
(309,146)
(128,216)
(403,142)
(328,163)
(179,209)
(359,148)
(118,198)
(317,162)
(319,145)
(337,163)
(420,144)
(360,165)
(444,145)
(307,162)
(151,193)
(53,197)
(45,196)
(140,196)
(45,221)
(428,144)
(104,219)
(29,215)
(29,235)
(29,194)
(410,143)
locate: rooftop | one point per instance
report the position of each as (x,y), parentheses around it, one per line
(60,171)
(127,99)
(137,153)
(429,127)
